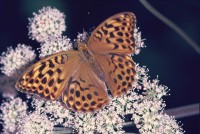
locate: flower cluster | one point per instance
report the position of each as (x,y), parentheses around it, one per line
(82,36)
(15,59)
(84,123)
(48,23)
(148,112)
(139,42)
(55,45)
(144,102)
(35,123)
(59,113)
(12,112)
(109,121)
(123,105)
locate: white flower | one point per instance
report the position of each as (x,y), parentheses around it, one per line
(12,112)
(153,90)
(49,22)
(83,36)
(36,123)
(60,114)
(159,123)
(141,76)
(148,112)
(84,122)
(124,104)
(108,121)
(55,45)
(14,60)
(139,42)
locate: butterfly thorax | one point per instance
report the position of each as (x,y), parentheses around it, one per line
(87,56)
(84,53)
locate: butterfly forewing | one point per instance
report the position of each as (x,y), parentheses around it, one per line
(85,92)
(114,35)
(48,77)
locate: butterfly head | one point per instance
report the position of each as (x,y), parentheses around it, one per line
(84,53)
(82,45)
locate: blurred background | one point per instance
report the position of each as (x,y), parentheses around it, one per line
(167,55)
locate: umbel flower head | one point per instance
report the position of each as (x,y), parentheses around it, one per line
(49,22)
(55,45)
(12,112)
(14,59)
(139,42)
(36,123)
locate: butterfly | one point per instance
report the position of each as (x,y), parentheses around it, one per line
(80,78)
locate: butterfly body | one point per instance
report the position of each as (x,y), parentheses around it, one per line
(85,54)
(81,78)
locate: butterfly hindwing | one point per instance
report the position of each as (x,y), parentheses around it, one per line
(48,77)
(114,35)
(85,92)
(119,72)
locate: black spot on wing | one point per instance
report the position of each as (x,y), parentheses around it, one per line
(50,72)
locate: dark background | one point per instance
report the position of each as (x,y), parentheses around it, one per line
(166,54)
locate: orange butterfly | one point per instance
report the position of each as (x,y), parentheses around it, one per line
(82,77)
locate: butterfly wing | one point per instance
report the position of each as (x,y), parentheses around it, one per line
(114,35)
(111,42)
(119,72)
(85,92)
(48,77)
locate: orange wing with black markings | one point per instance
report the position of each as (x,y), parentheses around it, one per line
(85,91)
(48,77)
